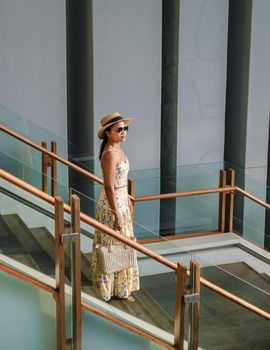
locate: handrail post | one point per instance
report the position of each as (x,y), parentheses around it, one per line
(49,162)
(76,273)
(231,200)
(194,308)
(60,274)
(222,201)
(44,167)
(54,169)
(181,279)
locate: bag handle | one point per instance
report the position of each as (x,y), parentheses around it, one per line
(111,241)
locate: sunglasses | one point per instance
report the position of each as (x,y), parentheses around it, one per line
(120,129)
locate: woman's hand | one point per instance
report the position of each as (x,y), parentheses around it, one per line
(118,222)
(131,209)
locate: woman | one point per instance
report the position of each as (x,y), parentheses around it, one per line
(114,207)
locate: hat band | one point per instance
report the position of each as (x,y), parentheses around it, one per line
(113,120)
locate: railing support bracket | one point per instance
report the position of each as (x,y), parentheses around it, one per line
(191,298)
(70,237)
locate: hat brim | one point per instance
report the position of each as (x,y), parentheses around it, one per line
(102,130)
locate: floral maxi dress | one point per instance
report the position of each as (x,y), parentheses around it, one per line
(121,283)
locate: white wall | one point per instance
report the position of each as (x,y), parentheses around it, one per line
(127,72)
(33,61)
(259,87)
(257,120)
(202,80)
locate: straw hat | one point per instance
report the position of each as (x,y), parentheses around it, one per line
(109,120)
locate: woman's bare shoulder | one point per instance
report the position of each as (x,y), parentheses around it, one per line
(109,156)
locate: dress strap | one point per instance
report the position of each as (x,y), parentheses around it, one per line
(107,150)
(112,150)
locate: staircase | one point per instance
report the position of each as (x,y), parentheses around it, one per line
(223,324)
(34,247)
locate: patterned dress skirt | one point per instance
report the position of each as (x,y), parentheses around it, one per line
(121,283)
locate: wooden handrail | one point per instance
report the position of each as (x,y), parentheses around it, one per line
(51,290)
(88,220)
(54,156)
(253,198)
(184,194)
(12,179)
(135,199)
(28,279)
(235,299)
(51,154)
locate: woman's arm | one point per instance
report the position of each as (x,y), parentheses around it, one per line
(108,164)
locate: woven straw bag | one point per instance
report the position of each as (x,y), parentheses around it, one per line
(115,257)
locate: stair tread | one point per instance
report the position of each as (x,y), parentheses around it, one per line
(247,273)
(156,316)
(39,240)
(46,239)
(11,246)
(41,260)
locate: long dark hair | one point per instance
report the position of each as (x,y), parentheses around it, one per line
(105,140)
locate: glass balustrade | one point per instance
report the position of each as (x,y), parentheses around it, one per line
(27,231)
(154,307)
(99,333)
(28,314)
(27,157)
(31,174)
(223,323)
(166,217)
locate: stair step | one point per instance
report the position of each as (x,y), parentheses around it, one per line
(41,260)
(12,247)
(45,238)
(154,309)
(248,274)
(37,245)
(265,276)
(144,307)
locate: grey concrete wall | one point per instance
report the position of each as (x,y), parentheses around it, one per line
(202,80)
(127,72)
(240,14)
(33,61)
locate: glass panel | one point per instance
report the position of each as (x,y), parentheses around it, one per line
(249,220)
(154,305)
(27,158)
(198,213)
(30,130)
(192,214)
(27,229)
(31,174)
(189,177)
(250,217)
(25,155)
(99,333)
(224,323)
(27,317)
